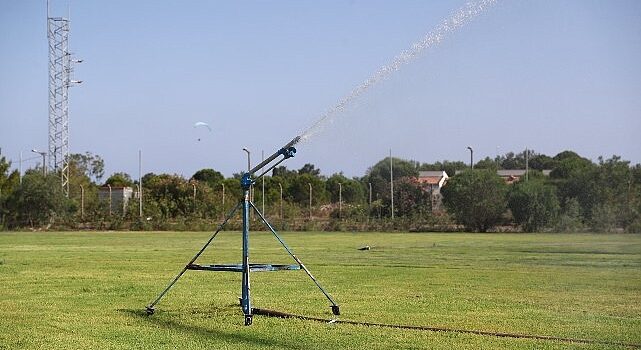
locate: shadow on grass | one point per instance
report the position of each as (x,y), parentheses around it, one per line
(242,336)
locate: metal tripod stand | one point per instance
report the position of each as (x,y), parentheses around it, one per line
(245,267)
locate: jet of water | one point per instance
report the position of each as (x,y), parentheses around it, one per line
(433,38)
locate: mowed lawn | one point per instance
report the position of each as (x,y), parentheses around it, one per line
(88,290)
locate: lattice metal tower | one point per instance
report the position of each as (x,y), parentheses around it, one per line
(60,74)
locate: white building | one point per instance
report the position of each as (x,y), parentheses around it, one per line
(116,196)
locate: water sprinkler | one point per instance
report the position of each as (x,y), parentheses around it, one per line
(245,267)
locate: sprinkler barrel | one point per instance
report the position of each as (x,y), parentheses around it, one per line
(287,151)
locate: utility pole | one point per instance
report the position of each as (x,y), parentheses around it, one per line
(369,209)
(20,168)
(194,186)
(282,218)
(310,200)
(140,183)
(281,200)
(391,180)
(527,165)
(223,200)
(340,200)
(82,202)
(262,154)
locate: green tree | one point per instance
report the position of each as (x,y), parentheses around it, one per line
(379,176)
(541,162)
(513,161)
(309,169)
(120,180)
(283,172)
(476,198)
(614,182)
(38,201)
(570,219)
(83,169)
(9,181)
(352,190)
(211,177)
(410,199)
(533,204)
(575,177)
(88,164)
(487,163)
(168,196)
(298,190)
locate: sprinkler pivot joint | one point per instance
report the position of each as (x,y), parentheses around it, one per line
(246,181)
(287,152)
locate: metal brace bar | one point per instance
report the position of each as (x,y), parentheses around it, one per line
(150,307)
(334,305)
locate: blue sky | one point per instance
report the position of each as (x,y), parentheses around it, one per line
(548,75)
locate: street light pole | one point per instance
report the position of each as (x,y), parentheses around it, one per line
(44,167)
(249,165)
(109,186)
(471,157)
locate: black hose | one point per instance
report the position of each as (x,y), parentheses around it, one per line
(280,314)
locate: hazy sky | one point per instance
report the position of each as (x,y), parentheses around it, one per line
(548,75)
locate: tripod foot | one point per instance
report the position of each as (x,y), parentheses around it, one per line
(336,310)
(150,310)
(248,320)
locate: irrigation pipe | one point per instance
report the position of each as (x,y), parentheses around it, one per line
(280,314)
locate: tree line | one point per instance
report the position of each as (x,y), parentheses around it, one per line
(577,195)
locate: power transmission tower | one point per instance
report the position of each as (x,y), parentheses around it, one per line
(60,74)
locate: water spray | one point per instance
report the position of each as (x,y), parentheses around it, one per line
(457,20)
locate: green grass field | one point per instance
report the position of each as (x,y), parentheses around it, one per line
(87,290)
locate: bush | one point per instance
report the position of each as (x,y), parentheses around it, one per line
(476,199)
(604,219)
(570,220)
(533,204)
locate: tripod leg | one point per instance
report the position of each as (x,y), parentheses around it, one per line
(245,300)
(334,306)
(150,308)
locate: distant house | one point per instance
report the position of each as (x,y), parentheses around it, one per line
(513,175)
(433,181)
(117,196)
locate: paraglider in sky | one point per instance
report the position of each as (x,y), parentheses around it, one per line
(202,125)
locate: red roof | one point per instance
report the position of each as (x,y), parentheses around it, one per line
(430,180)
